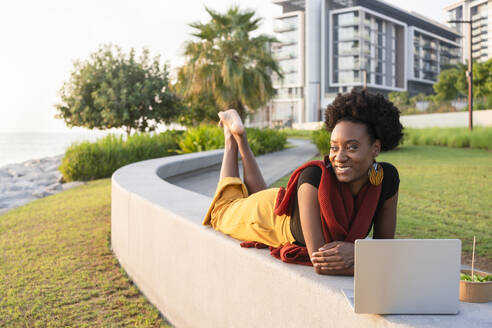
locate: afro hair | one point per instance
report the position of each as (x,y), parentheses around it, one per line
(380,116)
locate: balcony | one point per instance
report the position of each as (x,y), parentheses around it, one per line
(479,38)
(429,45)
(479,20)
(284,27)
(448,61)
(291,80)
(429,57)
(348,63)
(348,33)
(479,53)
(285,56)
(429,76)
(348,19)
(445,53)
(444,61)
(287,40)
(352,51)
(290,70)
(429,69)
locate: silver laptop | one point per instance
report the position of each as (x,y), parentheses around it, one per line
(406,276)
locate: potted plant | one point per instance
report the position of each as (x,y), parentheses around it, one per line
(475,286)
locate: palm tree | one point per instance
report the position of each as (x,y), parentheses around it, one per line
(228,63)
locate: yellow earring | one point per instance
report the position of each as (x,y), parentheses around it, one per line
(376,174)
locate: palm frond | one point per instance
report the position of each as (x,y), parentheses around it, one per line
(227,63)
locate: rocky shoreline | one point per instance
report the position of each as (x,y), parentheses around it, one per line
(21,183)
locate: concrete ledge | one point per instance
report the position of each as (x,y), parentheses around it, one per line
(198,277)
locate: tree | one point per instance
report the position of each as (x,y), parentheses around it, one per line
(113,89)
(482,79)
(446,87)
(452,82)
(227,64)
(399,99)
(199,107)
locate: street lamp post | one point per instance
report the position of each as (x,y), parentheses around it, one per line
(364,77)
(469,73)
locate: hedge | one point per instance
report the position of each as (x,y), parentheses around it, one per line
(85,161)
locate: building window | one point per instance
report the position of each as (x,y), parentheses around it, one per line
(289,37)
(348,33)
(349,63)
(288,52)
(289,66)
(349,76)
(350,18)
(456,14)
(286,24)
(348,48)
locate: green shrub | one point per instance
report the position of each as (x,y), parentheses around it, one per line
(479,137)
(482,103)
(94,160)
(201,138)
(265,140)
(321,138)
(208,137)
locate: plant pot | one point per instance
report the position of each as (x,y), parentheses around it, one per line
(475,292)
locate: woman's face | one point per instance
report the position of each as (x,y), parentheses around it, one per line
(351,152)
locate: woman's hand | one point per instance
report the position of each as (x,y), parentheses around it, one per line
(334,258)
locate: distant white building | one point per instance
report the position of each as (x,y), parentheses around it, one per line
(331,46)
(480,13)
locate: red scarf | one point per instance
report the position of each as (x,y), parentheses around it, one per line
(342,218)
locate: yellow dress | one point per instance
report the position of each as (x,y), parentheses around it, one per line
(248,218)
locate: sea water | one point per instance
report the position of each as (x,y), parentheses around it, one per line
(16,147)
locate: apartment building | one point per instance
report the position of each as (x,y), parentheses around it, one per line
(479,12)
(331,46)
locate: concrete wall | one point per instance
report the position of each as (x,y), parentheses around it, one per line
(480,118)
(308,126)
(198,277)
(458,119)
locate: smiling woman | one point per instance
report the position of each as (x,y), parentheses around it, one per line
(327,204)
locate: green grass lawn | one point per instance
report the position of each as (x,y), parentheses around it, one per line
(57,269)
(299,134)
(444,193)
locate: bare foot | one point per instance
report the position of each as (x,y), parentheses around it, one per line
(230,118)
(229,140)
(227,133)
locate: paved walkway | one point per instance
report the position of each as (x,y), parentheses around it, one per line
(273,166)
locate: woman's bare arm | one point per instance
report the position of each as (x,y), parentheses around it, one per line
(385,221)
(307,197)
(335,258)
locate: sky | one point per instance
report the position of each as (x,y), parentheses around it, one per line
(39,40)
